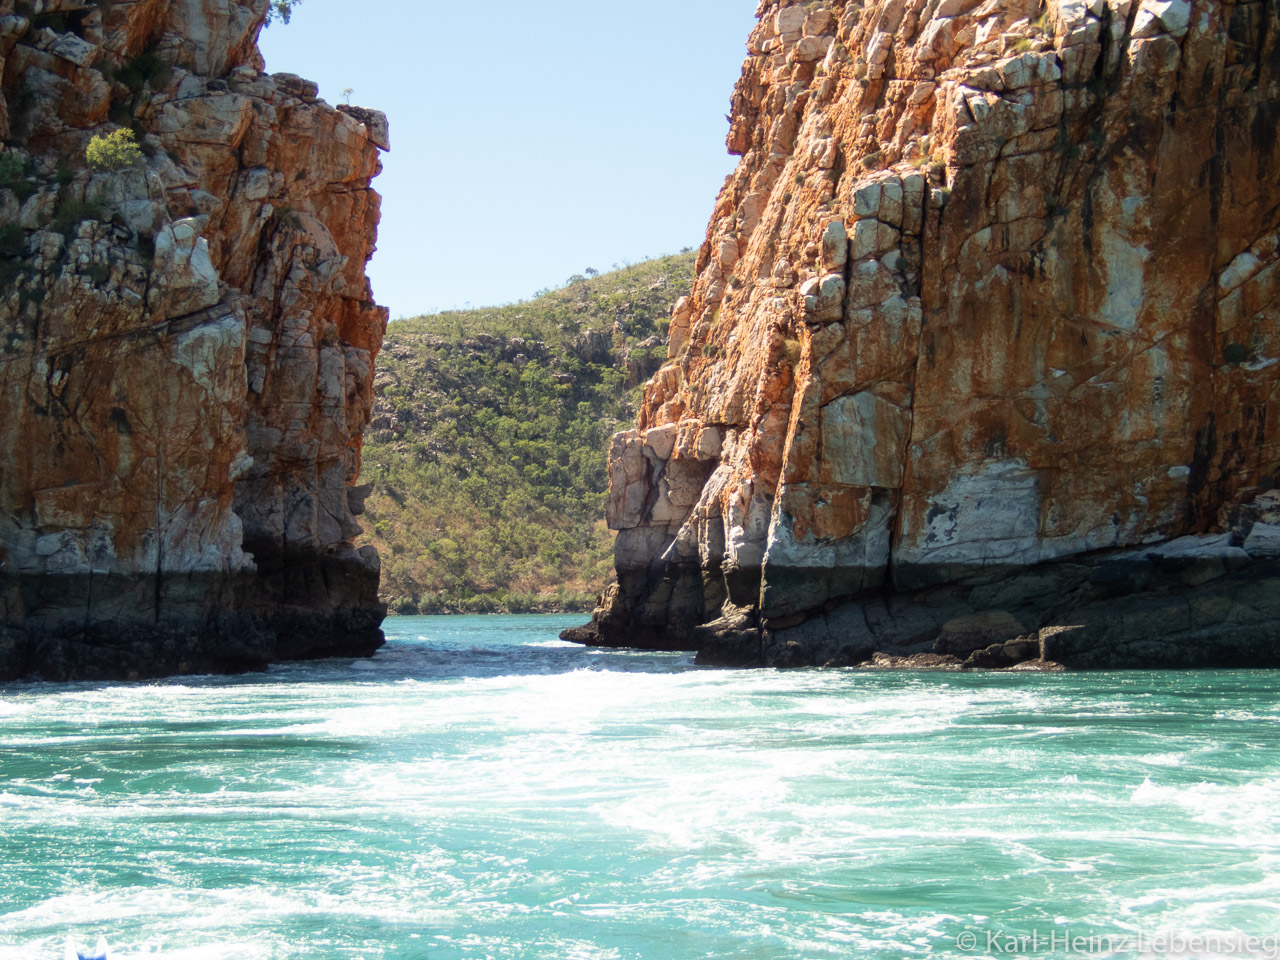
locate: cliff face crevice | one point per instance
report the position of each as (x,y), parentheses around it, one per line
(186,347)
(985,328)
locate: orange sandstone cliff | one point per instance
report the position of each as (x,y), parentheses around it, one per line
(186,347)
(983,354)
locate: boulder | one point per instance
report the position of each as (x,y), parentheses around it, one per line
(977,631)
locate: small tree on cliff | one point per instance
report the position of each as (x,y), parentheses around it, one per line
(281,10)
(114,151)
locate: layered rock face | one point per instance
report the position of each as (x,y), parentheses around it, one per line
(984,346)
(186,347)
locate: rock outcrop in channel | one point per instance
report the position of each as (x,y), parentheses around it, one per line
(186,347)
(982,358)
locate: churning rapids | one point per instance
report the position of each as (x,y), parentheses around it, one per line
(482,790)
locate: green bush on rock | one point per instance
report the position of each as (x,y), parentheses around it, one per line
(118,150)
(13,176)
(71,213)
(12,249)
(11,167)
(281,10)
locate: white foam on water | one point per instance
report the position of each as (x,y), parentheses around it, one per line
(1248,805)
(540,801)
(225,950)
(1245,716)
(1163,759)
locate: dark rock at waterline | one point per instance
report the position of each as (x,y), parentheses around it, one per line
(79,627)
(1194,602)
(916,661)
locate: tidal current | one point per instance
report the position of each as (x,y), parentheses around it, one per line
(481,790)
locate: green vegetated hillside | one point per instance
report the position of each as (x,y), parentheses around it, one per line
(489,438)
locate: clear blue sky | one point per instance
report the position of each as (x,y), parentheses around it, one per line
(529,140)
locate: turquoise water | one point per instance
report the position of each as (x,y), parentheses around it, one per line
(481,790)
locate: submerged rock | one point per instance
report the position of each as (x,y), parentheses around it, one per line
(186,348)
(985,327)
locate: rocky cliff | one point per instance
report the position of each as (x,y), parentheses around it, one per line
(186,347)
(983,352)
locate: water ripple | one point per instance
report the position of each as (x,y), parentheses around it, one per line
(481,789)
